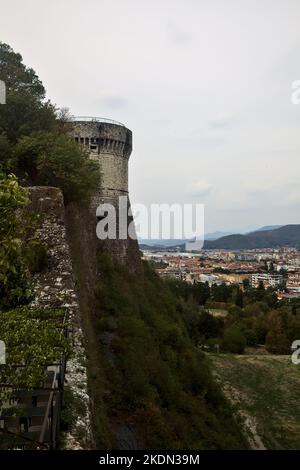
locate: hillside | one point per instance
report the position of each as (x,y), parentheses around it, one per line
(149,385)
(264,392)
(288,235)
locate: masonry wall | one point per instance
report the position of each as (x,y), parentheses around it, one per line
(55,287)
(70,282)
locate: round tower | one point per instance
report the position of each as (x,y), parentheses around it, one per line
(110,143)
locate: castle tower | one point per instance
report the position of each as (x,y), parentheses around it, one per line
(110,143)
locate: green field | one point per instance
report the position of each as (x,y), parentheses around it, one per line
(264,391)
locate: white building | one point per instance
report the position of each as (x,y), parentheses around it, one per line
(268,280)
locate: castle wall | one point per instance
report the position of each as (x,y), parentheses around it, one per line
(54,287)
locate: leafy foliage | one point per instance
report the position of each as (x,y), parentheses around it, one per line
(14,285)
(25,110)
(24,114)
(33,339)
(16,75)
(252,317)
(234,340)
(53,159)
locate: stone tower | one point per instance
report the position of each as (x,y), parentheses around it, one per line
(110,143)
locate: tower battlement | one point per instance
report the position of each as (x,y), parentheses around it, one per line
(103,136)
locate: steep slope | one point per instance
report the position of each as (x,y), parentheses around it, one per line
(149,386)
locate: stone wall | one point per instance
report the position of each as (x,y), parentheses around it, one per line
(54,287)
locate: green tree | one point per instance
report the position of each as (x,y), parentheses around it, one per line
(239,301)
(26,109)
(234,340)
(209,326)
(16,75)
(53,159)
(221,293)
(24,114)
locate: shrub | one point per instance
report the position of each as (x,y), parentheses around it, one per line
(234,341)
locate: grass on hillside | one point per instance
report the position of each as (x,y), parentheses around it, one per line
(264,391)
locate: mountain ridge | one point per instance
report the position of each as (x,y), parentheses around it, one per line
(286,235)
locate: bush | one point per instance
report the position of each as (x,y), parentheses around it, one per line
(234,341)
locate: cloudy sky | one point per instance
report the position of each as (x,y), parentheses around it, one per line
(205,86)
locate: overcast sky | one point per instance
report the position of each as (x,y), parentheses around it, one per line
(205,86)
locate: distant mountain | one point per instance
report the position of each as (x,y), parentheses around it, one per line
(163,243)
(160,243)
(287,235)
(266,227)
(216,235)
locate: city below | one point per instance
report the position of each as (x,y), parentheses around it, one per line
(278,269)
